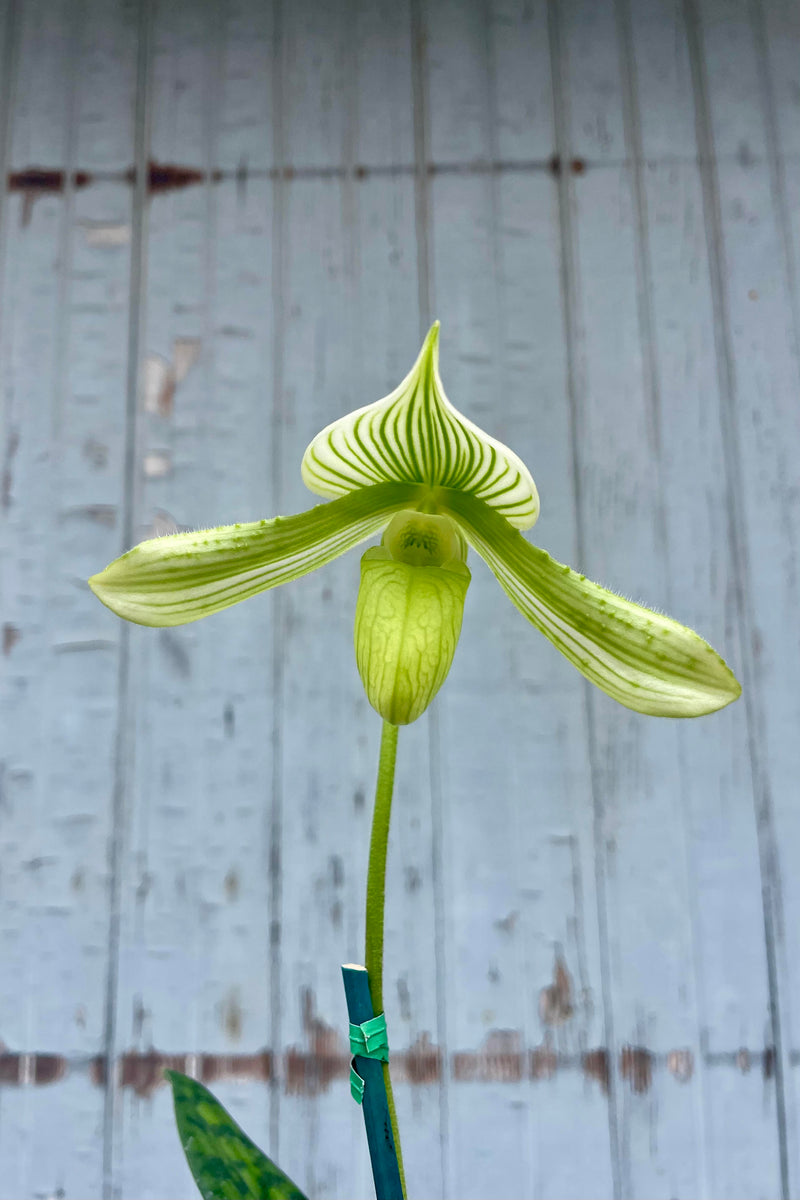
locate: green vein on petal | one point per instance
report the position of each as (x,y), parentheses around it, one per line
(415,435)
(646,661)
(181,578)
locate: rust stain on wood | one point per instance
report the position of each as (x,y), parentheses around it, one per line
(172,177)
(33,182)
(12,445)
(10,1065)
(636,1065)
(421,1063)
(236,1066)
(11,636)
(49,1068)
(500,1057)
(310,1073)
(311,1069)
(542,1062)
(768,1062)
(40,1069)
(555,1001)
(596,1066)
(145,1072)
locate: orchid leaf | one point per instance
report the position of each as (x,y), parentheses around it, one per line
(181,578)
(645,660)
(415,435)
(225,1163)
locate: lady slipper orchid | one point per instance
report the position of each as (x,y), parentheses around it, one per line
(411,465)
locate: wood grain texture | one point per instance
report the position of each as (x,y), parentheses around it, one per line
(64,319)
(224,225)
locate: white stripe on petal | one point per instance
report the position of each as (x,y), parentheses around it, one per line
(414,435)
(177,579)
(646,661)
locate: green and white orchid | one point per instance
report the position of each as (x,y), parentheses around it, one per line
(413,466)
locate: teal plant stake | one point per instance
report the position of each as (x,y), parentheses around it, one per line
(412,467)
(369,1082)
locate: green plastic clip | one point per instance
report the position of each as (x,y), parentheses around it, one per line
(370,1039)
(356,1085)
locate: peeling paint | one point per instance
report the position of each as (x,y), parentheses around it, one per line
(157,464)
(161,377)
(106,234)
(185,353)
(158,385)
(680,1064)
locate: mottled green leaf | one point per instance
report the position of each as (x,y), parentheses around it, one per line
(225,1164)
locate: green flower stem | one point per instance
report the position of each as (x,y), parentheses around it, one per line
(376,896)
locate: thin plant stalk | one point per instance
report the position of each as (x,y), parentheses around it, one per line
(376,896)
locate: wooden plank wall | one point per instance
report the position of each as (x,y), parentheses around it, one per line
(224,224)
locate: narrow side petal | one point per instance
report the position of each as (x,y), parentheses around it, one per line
(178,579)
(646,661)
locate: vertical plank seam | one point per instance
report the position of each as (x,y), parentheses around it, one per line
(423,236)
(420,114)
(8,87)
(776,167)
(7,94)
(575,386)
(351,219)
(493,180)
(125,701)
(275,819)
(213,60)
(726,375)
(494,187)
(652,392)
(349,188)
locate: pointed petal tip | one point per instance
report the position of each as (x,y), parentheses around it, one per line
(431,343)
(644,660)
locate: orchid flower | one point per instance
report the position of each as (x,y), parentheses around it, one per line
(412,466)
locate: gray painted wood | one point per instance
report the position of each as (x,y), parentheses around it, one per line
(64,341)
(592,956)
